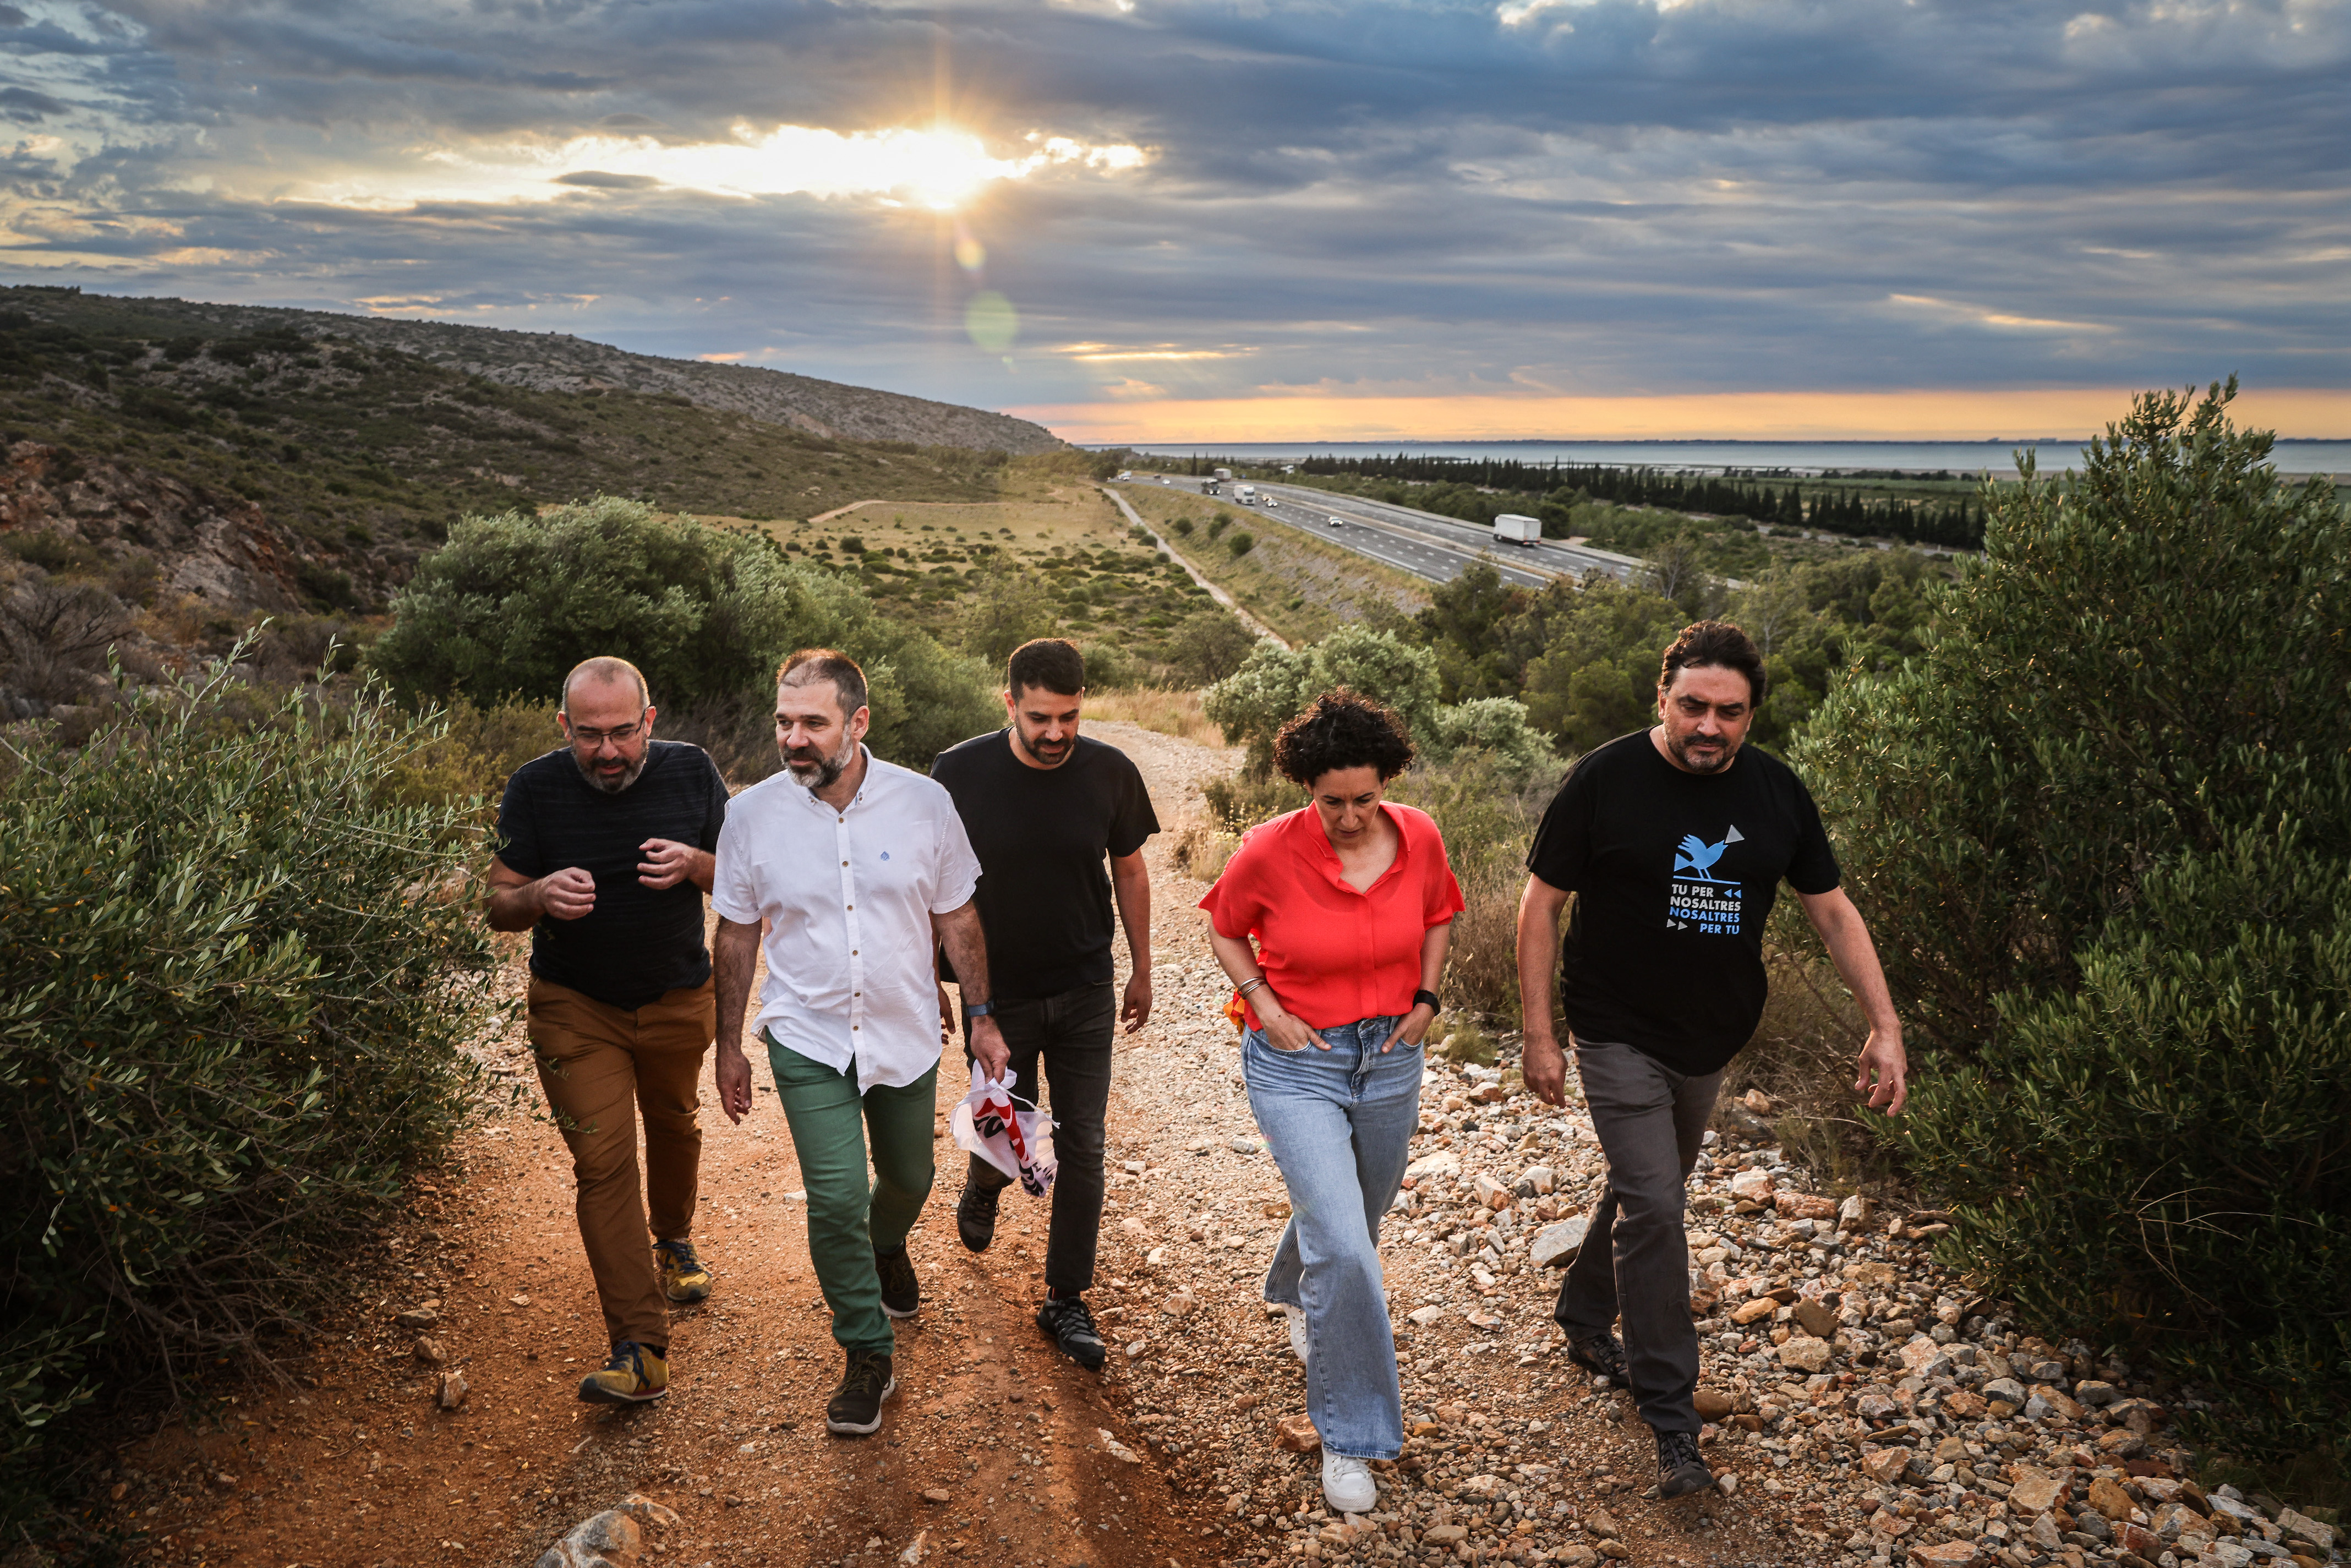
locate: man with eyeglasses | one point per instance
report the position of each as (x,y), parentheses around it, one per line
(609,846)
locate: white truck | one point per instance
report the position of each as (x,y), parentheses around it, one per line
(1511,527)
(1244,494)
(1221,474)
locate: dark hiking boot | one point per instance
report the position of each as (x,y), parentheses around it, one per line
(1071,1323)
(855,1408)
(976,1216)
(1680,1469)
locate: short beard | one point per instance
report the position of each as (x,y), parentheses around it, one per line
(823,772)
(1680,749)
(628,775)
(1069,745)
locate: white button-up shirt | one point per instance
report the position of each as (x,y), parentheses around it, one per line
(848,896)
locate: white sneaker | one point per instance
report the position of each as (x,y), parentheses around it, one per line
(1297,1316)
(1347,1484)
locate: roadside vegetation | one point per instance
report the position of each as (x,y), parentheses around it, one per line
(243,965)
(1302,586)
(1938,509)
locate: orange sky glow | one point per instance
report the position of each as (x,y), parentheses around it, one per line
(1917,415)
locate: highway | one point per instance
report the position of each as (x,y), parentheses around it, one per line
(1424,544)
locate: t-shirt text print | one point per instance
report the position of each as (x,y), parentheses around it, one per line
(1707,904)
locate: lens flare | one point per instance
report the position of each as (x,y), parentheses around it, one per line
(991,321)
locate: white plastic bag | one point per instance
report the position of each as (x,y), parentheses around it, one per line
(990,1122)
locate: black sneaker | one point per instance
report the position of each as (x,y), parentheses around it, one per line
(902,1293)
(1602,1354)
(1680,1469)
(976,1216)
(1071,1323)
(855,1409)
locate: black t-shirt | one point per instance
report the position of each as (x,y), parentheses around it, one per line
(1675,874)
(1041,834)
(637,943)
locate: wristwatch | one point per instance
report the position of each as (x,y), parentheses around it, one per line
(978,1009)
(1435,1004)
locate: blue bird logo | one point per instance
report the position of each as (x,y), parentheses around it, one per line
(1697,857)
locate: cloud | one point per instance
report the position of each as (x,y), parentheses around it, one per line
(1410,199)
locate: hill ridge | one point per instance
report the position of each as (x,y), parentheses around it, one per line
(564,362)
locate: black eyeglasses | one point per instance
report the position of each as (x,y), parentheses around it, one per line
(620,736)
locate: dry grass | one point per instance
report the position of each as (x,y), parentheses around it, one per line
(1297,582)
(1175,713)
(1803,1058)
(1203,850)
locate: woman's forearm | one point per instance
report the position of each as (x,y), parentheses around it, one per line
(1434,943)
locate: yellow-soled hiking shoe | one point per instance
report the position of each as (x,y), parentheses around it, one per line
(684,1278)
(637,1375)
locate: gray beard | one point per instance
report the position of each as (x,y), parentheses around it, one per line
(628,775)
(827,769)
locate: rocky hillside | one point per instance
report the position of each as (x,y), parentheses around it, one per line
(558,362)
(280,459)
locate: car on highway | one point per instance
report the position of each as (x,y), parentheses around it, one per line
(1338,522)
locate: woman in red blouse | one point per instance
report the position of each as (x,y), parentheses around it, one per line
(1350,904)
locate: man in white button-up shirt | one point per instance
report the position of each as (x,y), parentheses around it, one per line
(860,869)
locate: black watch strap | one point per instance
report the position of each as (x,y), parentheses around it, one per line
(1435,1004)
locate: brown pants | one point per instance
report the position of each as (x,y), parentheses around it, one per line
(602,1066)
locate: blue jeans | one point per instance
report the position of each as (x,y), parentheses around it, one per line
(1340,1125)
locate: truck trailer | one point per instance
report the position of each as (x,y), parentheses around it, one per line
(1511,527)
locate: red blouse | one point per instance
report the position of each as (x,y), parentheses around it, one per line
(1332,955)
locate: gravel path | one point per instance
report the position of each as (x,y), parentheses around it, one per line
(1866,1406)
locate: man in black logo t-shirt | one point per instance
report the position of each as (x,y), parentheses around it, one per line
(609,847)
(1674,841)
(1044,806)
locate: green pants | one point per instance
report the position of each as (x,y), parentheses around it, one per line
(847,1219)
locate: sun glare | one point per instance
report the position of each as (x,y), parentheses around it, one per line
(942,169)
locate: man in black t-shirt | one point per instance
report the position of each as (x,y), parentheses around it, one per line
(1043,807)
(609,846)
(1674,841)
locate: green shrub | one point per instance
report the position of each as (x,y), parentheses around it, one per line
(2103,825)
(1242,543)
(1274,683)
(2165,1161)
(238,977)
(1496,727)
(1209,644)
(513,601)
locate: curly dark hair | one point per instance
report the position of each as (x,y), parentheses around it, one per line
(1716,645)
(1343,730)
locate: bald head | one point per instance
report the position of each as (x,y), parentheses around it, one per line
(607,671)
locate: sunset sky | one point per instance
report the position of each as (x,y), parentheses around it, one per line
(1255,220)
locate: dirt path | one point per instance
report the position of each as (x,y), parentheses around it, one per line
(996,1449)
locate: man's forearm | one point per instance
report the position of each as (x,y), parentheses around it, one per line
(734,954)
(515,908)
(1132,890)
(967,950)
(1538,913)
(1856,957)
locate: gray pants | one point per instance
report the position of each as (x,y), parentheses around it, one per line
(1635,1258)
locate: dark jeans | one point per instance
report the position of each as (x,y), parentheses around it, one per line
(1635,1258)
(1069,1036)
